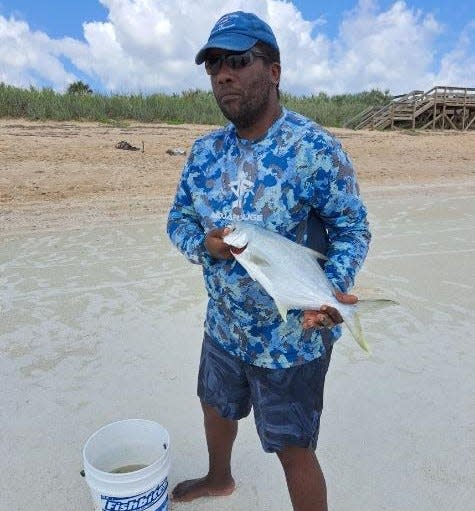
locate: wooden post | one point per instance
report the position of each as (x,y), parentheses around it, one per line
(444,108)
(464,109)
(471,122)
(435,109)
(414,99)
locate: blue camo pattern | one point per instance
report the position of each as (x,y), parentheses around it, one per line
(276,181)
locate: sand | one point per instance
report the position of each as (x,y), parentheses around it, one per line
(69,173)
(101,319)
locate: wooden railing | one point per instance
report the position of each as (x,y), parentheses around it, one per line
(408,107)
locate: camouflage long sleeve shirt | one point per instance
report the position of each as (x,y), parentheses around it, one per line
(276,181)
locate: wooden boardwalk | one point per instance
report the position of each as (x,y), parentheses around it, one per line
(438,109)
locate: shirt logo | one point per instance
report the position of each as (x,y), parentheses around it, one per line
(233,217)
(240,189)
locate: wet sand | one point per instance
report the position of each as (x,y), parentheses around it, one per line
(101,320)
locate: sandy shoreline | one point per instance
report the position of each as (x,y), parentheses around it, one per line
(101,319)
(58,174)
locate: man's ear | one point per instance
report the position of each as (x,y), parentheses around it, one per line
(275,71)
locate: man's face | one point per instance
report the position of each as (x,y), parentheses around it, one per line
(243,94)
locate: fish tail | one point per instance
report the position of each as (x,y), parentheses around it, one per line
(354,326)
(282,310)
(364,305)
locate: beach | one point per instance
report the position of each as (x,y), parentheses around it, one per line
(63,174)
(101,319)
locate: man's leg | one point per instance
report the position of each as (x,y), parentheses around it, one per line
(224,393)
(220,435)
(287,407)
(305,481)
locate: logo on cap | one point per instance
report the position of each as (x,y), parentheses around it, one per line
(221,23)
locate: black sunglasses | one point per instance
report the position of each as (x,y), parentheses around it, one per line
(233,61)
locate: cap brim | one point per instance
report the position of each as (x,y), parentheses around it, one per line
(233,42)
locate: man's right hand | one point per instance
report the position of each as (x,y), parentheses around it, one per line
(215,245)
(217,248)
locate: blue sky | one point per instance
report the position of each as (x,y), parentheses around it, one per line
(352,45)
(59,18)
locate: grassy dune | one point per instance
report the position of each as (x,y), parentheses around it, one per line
(194,106)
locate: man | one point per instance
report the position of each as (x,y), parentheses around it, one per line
(278,169)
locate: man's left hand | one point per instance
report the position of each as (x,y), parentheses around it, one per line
(326,316)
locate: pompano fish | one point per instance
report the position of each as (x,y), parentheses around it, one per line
(292,276)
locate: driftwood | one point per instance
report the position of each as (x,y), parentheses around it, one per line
(128,147)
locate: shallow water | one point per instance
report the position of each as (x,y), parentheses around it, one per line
(127,469)
(102,323)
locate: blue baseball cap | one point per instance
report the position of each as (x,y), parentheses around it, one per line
(237,31)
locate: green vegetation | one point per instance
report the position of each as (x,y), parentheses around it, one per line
(193,106)
(333,111)
(79,87)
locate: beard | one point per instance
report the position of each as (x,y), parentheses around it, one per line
(246,110)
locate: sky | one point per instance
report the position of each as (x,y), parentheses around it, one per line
(147,46)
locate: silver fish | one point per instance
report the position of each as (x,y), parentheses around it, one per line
(292,276)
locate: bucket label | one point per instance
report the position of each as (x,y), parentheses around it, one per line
(138,502)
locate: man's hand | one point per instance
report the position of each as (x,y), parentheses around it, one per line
(326,316)
(217,248)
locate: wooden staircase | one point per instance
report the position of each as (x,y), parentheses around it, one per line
(439,108)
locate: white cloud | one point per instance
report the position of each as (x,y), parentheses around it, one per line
(391,49)
(28,57)
(457,68)
(147,46)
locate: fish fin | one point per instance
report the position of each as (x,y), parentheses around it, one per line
(255,259)
(374,304)
(282,310)
(354,326)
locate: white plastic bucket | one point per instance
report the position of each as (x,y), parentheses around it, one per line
(123,444)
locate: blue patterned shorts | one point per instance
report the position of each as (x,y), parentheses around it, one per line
(287,403)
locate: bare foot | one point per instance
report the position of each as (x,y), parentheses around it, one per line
(203,487)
